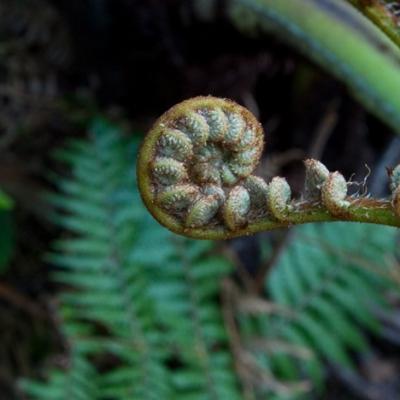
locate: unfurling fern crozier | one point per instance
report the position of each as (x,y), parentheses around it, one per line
(195,175)
(195,166)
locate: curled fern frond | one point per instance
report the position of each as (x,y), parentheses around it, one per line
(195,176)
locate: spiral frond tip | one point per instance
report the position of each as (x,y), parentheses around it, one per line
(195,174)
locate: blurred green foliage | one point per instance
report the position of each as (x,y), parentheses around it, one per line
(143,312)
(7,240)
(6,202)
(325,286)
(142,315)
(142,302)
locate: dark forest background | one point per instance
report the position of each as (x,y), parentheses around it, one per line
(63,62)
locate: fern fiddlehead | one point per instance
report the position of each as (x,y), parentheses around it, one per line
(195,176)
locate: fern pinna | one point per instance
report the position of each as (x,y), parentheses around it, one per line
(141,311)
(131,311)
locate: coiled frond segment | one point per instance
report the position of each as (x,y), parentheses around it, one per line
(195,176)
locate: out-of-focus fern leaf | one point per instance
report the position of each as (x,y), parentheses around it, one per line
(78,382)
(141,310)
(6,203)
(187,307)
(141,302)
(184,284)
(330,277)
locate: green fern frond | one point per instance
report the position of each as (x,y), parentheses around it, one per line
(137,295)
(141,314)
(330,278)
(185,286)
(188,306)
(77,382)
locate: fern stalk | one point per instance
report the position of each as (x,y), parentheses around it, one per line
(339,38)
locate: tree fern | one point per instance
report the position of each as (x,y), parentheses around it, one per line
(141,305)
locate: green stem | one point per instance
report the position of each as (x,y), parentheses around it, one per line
(338,37)
(360,210)
(381,13)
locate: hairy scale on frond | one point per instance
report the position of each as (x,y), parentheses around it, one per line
(195,174)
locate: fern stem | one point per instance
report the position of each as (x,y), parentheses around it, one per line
(201,348)
(384,13)
(360,210)
(338,37)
